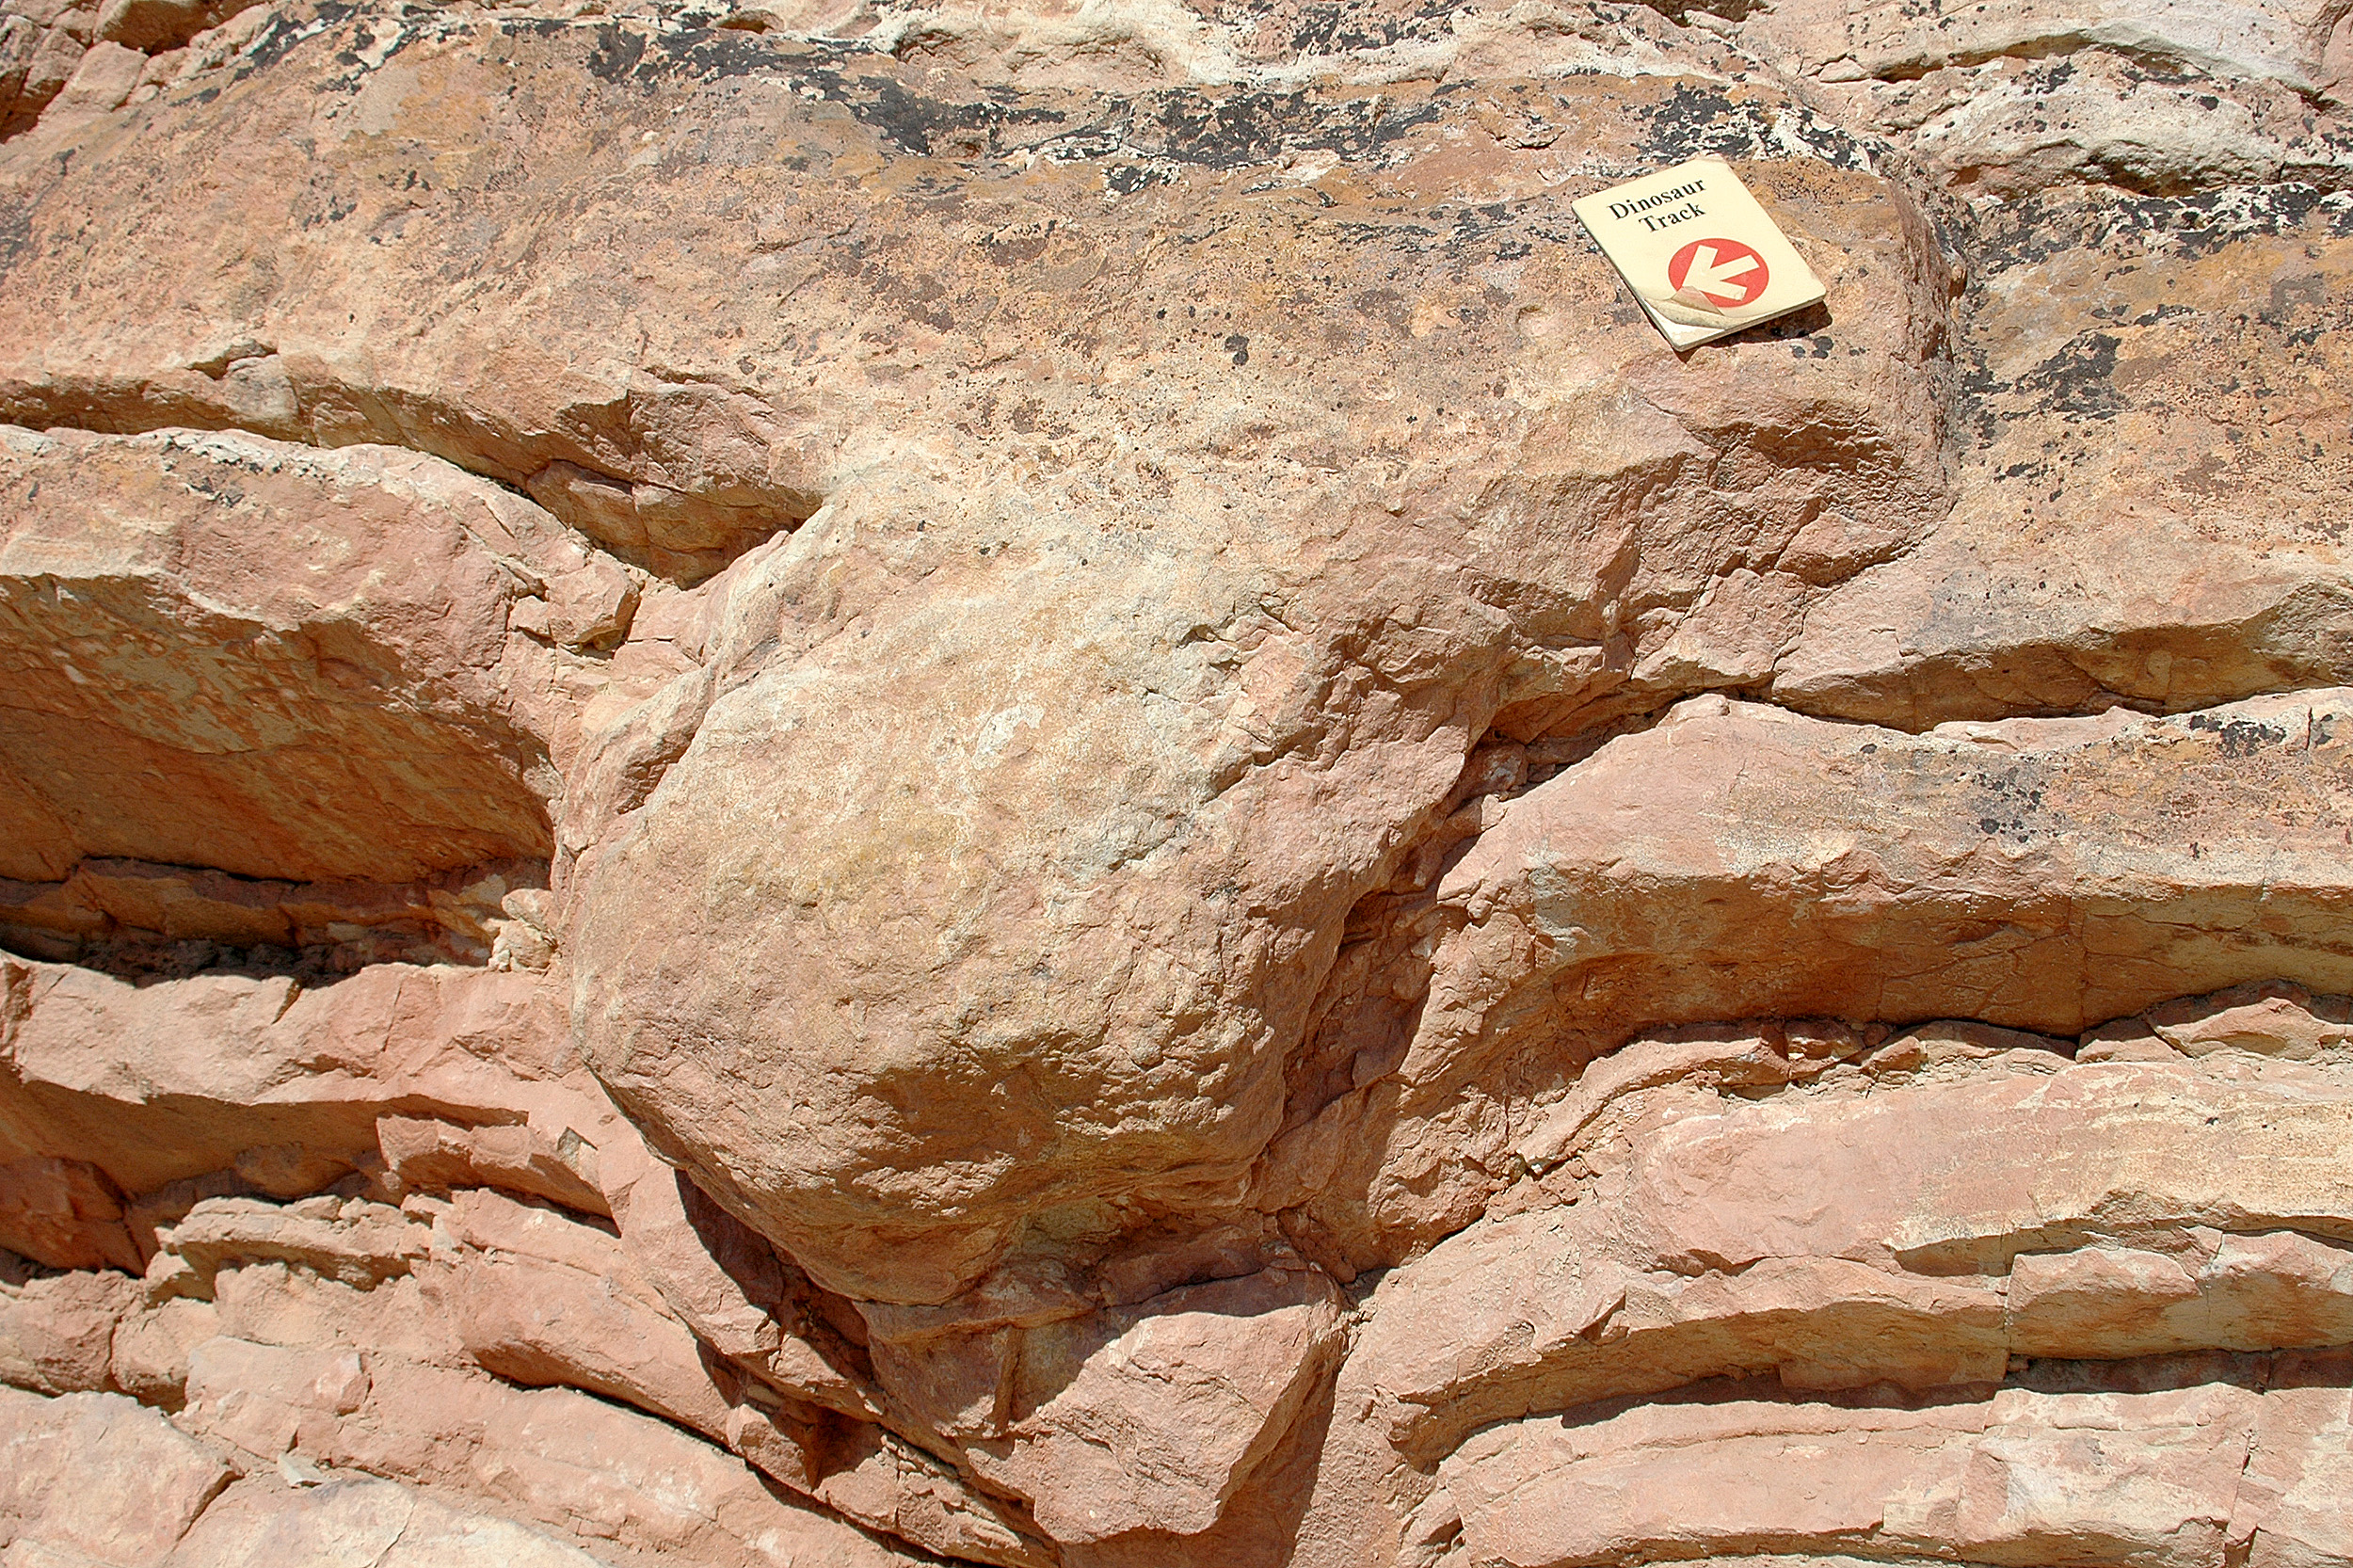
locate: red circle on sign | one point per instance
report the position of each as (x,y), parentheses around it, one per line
(1728,275)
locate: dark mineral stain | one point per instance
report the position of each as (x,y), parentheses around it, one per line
(1238,347)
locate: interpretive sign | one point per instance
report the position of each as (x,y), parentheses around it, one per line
(1702,256)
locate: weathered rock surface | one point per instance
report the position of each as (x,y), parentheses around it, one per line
(2050,874)
(2145,514)
(96,1478)
(2118,1477)
(378,1522)
(108,1089)
(339,701)
(835,783)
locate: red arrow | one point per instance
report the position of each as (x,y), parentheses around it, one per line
(1725,273)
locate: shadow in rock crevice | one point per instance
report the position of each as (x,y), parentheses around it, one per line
(144,921)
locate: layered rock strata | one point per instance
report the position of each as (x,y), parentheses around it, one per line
(854,784)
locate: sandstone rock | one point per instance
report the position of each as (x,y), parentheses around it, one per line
(624,1482)
(20,39)
(536,1297)
(887,1484)
(42,61)
(56,1335)
(377,1522)
(1700,1054)
(102,81)
(2254,1293)
(153,1346)
(164,1503)
(297,744)
(2021,125)
(276,1304)
(2288,1510)
(2005,97)
(704,456)
(285,1086)
(1870,828)
(262,1397)
(1526,1326)
(1256,888)
(1902,877)
(142,918)
(2273,1019)
(720,1278)
(2256,1163)
(2123,1040)
(1499,1302)
(97,1476)
(422,1153)
(1949,1042)
(2075,1298)
(1149,1420)
(553,1302)
(727,1285)
(350,1239)
(2117,1477)
(1632,1291)
(2147,515)
(2263,40)
(154,26)
(650,1068)
(64,1213)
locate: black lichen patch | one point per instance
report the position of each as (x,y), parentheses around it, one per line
(914,123)
(715,53)
(986,124)
(1698,121)
(2036,228)
(1138,139)
(2009,805)
(1127,179)
(1240,129)
(2239,737)
(616,54)
(2079,382)
(1145,134)
(16,232)
(1307,27)
(365,39)
(532,26)
(282,32)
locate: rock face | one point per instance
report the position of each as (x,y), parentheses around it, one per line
(861,784)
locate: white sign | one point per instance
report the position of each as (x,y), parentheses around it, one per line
(1698,251)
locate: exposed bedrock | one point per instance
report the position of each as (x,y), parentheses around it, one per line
(1724,1268)
(2046,875)
(273,662)
(1151,738)
(111,1091)
(266,697)
(831,783)
(2147,515)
